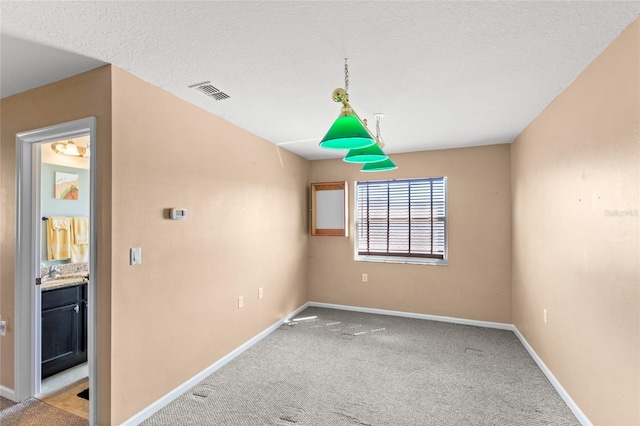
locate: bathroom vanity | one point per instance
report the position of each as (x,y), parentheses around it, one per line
(64,324)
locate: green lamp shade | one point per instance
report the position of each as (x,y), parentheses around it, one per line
(347,133)
(380,166)
(370,154)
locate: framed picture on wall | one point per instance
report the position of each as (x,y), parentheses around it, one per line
(66,186)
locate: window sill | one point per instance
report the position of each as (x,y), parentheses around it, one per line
(406,260)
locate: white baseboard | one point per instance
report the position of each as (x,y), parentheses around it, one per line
(294,313)
(10,394)
(582,418)
(487,324)
(175,393)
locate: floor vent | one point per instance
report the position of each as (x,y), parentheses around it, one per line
(209,90)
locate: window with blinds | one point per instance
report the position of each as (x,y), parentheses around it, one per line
(402,219)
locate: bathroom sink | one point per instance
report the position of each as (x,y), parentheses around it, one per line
(63,281)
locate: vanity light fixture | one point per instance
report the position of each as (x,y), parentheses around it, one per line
(70,148)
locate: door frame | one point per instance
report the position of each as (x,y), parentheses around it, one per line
(27,268)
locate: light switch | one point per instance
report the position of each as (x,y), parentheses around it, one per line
(135,256)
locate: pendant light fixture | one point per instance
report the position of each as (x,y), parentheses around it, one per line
(348,131)
(370,154)
(380,166)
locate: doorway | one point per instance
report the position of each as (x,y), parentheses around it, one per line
(56,261)
(64,194)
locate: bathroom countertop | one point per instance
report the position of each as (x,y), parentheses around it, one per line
(64,281)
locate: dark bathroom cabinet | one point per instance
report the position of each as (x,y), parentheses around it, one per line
(64,328)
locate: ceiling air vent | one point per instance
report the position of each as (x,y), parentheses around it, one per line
(209,90)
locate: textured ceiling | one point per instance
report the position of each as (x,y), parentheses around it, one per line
(446,74)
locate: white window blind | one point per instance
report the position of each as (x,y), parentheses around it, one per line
(403,218)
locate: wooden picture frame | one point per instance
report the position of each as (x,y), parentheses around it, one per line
(329,209)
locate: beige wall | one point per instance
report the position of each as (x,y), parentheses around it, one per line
(177,313)
(162,322)
(476,283)
(85,95)
(574,166)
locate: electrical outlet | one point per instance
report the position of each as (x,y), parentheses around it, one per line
(365,278)
(260,293)
(240,302)
(545,316)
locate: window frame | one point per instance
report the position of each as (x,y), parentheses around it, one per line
(400,258)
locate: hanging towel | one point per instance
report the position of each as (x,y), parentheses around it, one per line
(79,239)
(80,230)
(58,238)
(59,223)
(79,253)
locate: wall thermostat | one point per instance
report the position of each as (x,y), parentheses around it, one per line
(177,214)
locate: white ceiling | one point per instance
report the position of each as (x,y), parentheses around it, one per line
(446,74)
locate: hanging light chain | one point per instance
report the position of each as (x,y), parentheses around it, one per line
(346,76)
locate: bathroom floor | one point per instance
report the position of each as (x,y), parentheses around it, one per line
(62,389)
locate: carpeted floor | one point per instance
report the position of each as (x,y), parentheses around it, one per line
(348,368)
(34,412)
(6,403)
